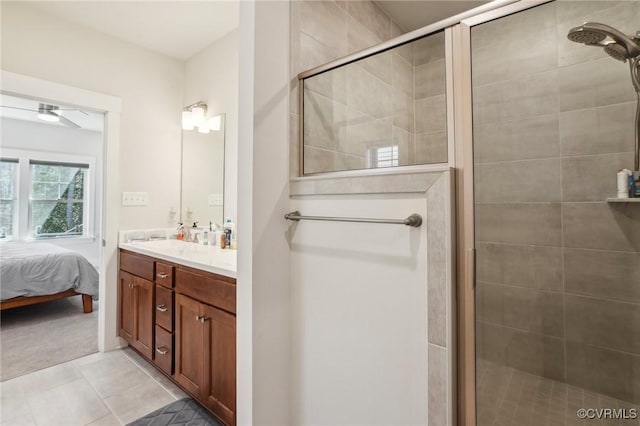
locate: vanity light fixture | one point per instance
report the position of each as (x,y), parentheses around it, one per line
(195,115)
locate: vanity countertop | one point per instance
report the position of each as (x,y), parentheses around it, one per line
(207,258)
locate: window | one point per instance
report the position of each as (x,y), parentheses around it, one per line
(8,196)
(385,156)
(46,195)
(57,199)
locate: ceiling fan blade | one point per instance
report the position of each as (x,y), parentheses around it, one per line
(67,122)
(22,109)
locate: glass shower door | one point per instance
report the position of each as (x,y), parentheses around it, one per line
(557,267)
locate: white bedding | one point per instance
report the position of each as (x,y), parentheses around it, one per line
(38,269)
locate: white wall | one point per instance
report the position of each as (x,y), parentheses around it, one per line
(212,76)
(149,84)
(263,299)
(359,321)
(40,137)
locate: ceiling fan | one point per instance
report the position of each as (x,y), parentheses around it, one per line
(51,113)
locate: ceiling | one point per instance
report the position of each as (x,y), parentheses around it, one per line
(19,108)
(413,14)
(178,29)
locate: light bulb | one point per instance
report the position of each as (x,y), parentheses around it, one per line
(197,115)
(203,128)
(187,120)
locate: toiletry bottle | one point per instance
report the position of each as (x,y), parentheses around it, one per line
(205,238)
(180,234)
(636,187)
(623,183)
(228,231)
(223,240)
(212,236)
(193,233)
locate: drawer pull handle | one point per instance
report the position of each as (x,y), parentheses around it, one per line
(161,308)
(161,275)
(132,286)
(162,350)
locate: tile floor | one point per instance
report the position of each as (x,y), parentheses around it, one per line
(507,396)
(112,388)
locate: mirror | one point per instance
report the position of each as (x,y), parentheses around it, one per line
(203,176)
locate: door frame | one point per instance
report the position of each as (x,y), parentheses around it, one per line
(106,228)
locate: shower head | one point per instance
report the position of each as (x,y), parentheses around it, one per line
(584,36)
(622,47)
(616,51)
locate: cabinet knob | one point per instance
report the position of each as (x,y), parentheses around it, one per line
(161,275)
(202,318)
(162,350)
(161,308)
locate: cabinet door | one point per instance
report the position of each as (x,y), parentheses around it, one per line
(144,308)
(126,307)
(220,363)
(189,348)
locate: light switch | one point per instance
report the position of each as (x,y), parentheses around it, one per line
(135,198)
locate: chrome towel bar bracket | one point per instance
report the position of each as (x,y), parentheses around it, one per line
(414,220)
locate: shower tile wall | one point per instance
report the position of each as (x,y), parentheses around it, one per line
(390,99)
(558,291)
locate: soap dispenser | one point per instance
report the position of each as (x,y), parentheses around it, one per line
(180,231)
(193,235)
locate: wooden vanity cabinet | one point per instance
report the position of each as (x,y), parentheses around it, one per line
(183,320)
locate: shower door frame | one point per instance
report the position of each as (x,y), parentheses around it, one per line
(465,210)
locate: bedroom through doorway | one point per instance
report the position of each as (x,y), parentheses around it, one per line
(51,192)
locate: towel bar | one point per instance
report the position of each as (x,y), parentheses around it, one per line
(414,220)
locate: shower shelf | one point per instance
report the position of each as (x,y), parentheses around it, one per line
(623,200)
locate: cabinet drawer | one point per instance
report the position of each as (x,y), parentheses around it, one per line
(164,350)
(210,289)
(141,266)
(164,274)
(164,308)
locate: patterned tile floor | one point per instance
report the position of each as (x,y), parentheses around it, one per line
(511,397)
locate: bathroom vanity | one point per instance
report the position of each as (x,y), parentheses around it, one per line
(176,307)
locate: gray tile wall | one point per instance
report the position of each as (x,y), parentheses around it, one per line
(558,292)
(396,98)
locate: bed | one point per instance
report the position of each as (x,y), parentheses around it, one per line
(39,272)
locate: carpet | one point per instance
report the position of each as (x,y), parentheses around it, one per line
(40,336)
(183,412)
